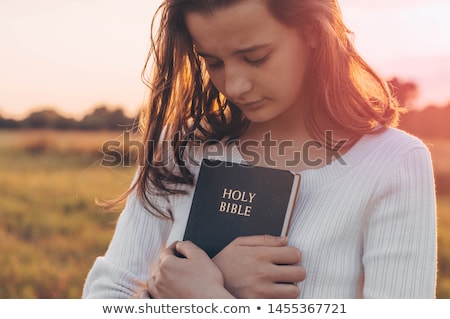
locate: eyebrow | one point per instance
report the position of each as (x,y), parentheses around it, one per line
(240,51)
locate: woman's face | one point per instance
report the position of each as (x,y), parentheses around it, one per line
(255,61)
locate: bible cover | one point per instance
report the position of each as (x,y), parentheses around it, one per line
(233,200)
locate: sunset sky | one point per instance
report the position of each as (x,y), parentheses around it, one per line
(72,55)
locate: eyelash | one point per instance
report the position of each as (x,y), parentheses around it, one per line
(215,65)
(258,62)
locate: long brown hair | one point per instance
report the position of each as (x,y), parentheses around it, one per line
(342,92)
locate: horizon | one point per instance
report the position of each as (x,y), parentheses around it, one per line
(75,56)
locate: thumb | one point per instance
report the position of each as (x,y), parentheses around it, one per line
(189,250)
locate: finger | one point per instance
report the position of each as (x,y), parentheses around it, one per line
(171,251)
(261,240)
(283,291)
(287,256)
(288,274)
(172,247)
(190,250)
(165,259)
(279,255)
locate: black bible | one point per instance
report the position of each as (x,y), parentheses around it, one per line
(232,200)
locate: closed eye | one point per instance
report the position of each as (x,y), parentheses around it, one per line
(257,62)
(211,62)
(214,65)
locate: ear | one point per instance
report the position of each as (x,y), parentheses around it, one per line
(311,36)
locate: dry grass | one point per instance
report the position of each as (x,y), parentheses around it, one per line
(39,141)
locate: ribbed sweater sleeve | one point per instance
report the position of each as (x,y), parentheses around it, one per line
(366,226)
(124,270)
(399,254)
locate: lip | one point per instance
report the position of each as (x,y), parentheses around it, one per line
(252,105)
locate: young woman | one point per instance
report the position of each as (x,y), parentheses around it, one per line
(283,77)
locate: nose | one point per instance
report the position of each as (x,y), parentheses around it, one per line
(237,83)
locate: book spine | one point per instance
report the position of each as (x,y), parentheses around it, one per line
(291,204)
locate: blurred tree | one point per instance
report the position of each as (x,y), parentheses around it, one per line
(8,123)
(405,92)
(47,118)
(104,119)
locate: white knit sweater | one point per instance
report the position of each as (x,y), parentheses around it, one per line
(365,229)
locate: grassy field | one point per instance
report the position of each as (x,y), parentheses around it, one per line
(51,230)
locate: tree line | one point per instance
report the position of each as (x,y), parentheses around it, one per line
(101,118)
(432,121)
(429,122)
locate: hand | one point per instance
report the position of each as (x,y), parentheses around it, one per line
(195,276)
(261,267)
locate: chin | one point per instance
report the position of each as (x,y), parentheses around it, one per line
(260,117)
